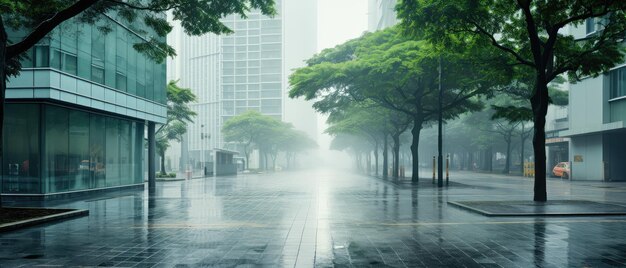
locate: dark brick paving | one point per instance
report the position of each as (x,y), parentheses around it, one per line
(323,218)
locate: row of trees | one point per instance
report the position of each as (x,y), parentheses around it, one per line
(471,50)
(252,130)
(398,76)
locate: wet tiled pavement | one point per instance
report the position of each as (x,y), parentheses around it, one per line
(324,218)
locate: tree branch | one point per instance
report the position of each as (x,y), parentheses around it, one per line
(47,26)
(494,42)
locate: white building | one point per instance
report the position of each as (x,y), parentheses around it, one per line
(381,14)
(597,125)
(246,70)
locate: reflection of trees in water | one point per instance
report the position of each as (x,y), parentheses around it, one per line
(539,250)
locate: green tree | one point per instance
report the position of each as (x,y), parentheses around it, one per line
(530,33)
(249,129)
(293,143)
(368,122)
(178,116)
(38,18)
(398,73)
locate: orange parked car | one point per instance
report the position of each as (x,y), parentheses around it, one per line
(561,170)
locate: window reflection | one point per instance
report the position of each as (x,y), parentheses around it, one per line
(81,150)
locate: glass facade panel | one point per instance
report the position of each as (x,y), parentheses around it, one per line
(112,152)
(141,75)
(56,162)
(81,150)
(108,59)
(97,56)
(20,172)
(79,165)
(617,79)
(84,51)
(97,145)
(110,42)
(125,139)
(137,159)
(42,56)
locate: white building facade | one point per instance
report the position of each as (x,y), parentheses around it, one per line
(245,70)
(597,125)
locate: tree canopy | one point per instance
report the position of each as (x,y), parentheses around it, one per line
(254,130)
(399,73)
(531,34)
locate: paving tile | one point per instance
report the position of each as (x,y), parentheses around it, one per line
(323,218)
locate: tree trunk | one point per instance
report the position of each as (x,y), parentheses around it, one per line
(247,166)
(367,163)
(274,161)
(385,158)
(539,102)
(415,132)
(376,158)
(163,163)
(490,159)
(3,87)
(396,156)
(507,165)
(523,142)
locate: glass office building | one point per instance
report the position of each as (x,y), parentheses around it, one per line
(76,115)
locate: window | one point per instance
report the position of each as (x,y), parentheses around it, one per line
(97,145)
(97,57)
(138,152)
(112,152)
(42,56)
(69,63)
(241,79)
(56,168)
(253,40)
(270,94)
(253,95)
(271,38)
(618,82)
(240,25)
(84,51)
(120,81)
(590,25)
(110,57)
(78,158)
(125,136)
(21,149)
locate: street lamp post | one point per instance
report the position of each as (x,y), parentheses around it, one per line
(202,149)
(203,135)
(439,136)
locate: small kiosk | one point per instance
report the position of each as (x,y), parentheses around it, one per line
(224,164)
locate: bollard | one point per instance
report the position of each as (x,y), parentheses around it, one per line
(434,166)
(448,169)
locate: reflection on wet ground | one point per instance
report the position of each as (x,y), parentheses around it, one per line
(323,218)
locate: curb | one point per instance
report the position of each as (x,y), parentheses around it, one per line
(73,213)
(549,214)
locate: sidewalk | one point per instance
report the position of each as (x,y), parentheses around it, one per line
(323,218)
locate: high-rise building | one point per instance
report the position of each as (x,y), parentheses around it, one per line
(245,70)
(76,115)
(381,14)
